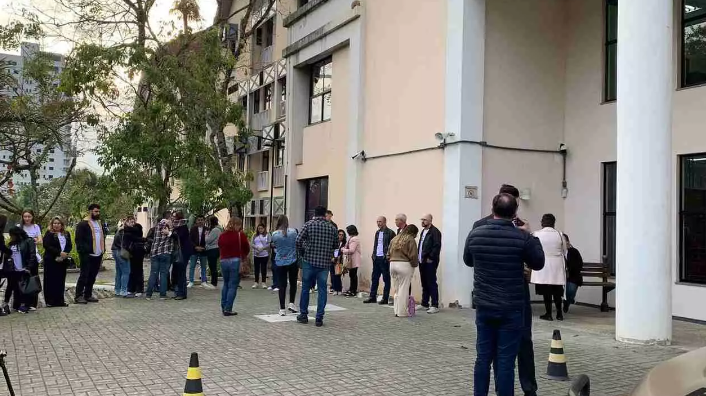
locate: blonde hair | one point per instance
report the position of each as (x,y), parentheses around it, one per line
(233,223)
(406,236)
(51,224)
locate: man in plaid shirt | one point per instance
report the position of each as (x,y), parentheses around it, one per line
(160,258)
(315,244)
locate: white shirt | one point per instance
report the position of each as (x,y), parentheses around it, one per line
(380,252)
(97,234)
(200,233)
(421,243)
(33,231)
(62,241)
(16,257)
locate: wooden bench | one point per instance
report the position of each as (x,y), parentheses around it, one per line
(600,271)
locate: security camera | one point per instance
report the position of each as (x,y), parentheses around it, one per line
(439,136)
(562,147)
(360,154)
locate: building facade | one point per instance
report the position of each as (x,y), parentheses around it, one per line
(393,108)
(58,160)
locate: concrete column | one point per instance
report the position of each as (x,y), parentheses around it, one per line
(644,206)
(297,119)
(465,60)
(356,82)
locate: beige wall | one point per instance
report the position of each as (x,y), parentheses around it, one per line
(524,102)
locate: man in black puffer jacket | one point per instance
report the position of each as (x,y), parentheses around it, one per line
(498,252)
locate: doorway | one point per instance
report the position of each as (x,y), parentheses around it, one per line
(316,195)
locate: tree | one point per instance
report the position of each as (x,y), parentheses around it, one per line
(36,117)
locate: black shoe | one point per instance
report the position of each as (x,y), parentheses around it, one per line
(81,300)
(319,323)
(6,309)
(229,313)
(92,300)
(302,319)
(179,298)
(559,317)
(383,302)
(369,301)
(547,317)
(566,306)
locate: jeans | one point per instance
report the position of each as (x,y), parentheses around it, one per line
(90,265)
(192,267)
(122,273)
(311,275)
(498,341)
(380,267)
(571,289)
(430,289)
(285,272)
(159,267)
(231,279)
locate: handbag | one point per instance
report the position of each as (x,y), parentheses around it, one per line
(125,254)
(338,269)
(31,285)
(243,260)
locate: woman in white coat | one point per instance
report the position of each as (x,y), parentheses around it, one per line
(550,280)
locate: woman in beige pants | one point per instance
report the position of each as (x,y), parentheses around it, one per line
(403,260)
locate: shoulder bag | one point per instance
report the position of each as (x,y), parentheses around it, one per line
(31,285)
(124,253)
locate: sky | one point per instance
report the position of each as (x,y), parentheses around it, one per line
(11,10)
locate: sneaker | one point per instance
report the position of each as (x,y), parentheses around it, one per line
(254,286)
(302,319)
(547,317)
(264,286)
(179,298)
(23,310)
(148,298)
(293,308)
(207,286)
(269,288)
(370,300)
(92,300)
(32,309)
(229,313)
(332,292)
(129,296)
(282,312)
(190,285)
(383,302)
(163,298)
(276,289)
(319,323)
(433,310)
(138,295)
(81,300)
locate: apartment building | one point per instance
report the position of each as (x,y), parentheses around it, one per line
(589,107)
(260,84)
(58,161)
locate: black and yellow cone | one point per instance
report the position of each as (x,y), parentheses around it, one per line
(193,385)
(556,369)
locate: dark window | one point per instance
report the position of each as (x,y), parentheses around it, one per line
(693,43)
(258,36)
(262,207)
(316,195)
(302,2)
(256,102)
(268,96)
(609,202)
(320,100)
(51,159)
(692,219)
(51,168)
(283,88)
(233,89)
(611,50)
(265,161)
(269,32)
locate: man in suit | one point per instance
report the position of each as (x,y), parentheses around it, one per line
(381,264)
(525,356)
(197,235)
(90,245)
(429,251)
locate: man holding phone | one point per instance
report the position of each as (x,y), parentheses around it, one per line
(525,357)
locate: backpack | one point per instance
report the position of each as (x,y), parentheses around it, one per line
(411,306)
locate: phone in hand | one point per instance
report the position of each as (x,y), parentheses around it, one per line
(518,222)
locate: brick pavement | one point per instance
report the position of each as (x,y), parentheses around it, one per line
(138,347)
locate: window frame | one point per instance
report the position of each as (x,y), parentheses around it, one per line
(268,92)
(605,215)
(323,94)
(265,161)
(609,97)
(681,214)
(682,53)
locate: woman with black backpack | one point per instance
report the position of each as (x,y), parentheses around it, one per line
(24,259)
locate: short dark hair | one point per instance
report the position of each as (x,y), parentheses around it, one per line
(548,220)
(320,211)
(504,206)
(509,189)
(328,212)
(352,230)
(179,215)
(199,217)
(93,206)
(213,221)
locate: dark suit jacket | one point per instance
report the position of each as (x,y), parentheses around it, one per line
(388,234)
(194,236)
(52,247)
(84,238)
(431,249)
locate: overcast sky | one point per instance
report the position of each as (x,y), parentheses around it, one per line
(12,10)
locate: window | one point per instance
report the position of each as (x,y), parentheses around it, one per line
(693,51)
(692,219)
(232,89)
(51,151)
(51,168)
(265,161)
(51,159)
(302,2)
(611,51)
(50,177)
(279,153)
(320,100)
(283,88)
(268,96)
(269,32)
(258,36)
(256,102)
(609,202)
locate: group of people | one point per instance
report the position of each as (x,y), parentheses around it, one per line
(507,257)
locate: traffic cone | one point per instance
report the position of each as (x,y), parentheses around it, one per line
(556,369)
(193,385)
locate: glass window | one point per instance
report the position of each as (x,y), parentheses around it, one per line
(269,32)
(609,202)
(692,219)
(320,100)
(268,96)
(283,88)
(279,154)
(611,51)
(693,43)
(256,102)
(265,161)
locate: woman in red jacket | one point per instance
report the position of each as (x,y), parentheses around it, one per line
(234,247)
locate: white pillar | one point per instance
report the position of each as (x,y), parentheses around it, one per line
(644,180)
(465,61)
(356,106)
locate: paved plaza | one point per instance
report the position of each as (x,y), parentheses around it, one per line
(139,347)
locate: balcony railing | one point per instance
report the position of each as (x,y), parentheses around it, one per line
(278,176)
(261,120)
(263,181)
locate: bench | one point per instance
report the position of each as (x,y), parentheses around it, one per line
(599,271)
